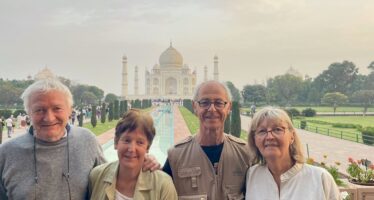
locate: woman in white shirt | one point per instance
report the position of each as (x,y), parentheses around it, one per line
(280,172)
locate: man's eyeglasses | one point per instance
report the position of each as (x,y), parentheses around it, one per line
(218,104)
(276,132)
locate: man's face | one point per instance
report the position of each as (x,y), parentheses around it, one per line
(212,117)
(49,113)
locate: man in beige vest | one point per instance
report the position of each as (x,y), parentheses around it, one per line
(210,165)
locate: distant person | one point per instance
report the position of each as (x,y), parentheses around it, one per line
(211,164)
(281,172)
(124,179)
(253,110)
(9,126)
(73,117)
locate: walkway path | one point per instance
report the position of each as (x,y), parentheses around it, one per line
(181,130)
(335,149)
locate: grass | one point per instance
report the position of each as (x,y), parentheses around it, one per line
(324,109)
(104,127)
(326,129)
(360,120)
(101,127)
(338,109)
(193,122)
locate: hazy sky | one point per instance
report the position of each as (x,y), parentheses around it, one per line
(254,39)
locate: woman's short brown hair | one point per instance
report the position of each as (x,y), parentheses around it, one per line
(132,120)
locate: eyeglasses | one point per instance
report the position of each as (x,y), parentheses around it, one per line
(218,104)
(276,132)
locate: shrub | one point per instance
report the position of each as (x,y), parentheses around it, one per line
(235,124)
(292,112)
(302,124)
(5,113)
(17,112)
(367,135)
(103,113)
(309,112)
(318,122)
(344,125)
(93,117)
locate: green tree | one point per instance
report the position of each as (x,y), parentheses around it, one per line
(110,97)
(9,95)
(88,98)
(254,93)
(187,103)
(79,91)
(116,110)
(103,113)
(80,118)
(371,66)
(365,98)
(137,103)
(121,108)
(337,78)
(286,87)
(93,116)
(334,99)
(234,91)
(125,107)
(235,123)
(110,114)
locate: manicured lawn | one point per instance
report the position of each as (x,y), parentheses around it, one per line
(326,129)
(338,109)
(324,109)
(360,120)
(193,122)
(101,127)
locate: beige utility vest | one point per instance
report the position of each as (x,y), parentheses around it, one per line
(195,178)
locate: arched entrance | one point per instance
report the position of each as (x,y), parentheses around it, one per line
(171,86)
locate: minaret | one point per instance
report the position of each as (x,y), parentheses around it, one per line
(124,77)
(205,73)
(215,73)
(136,81)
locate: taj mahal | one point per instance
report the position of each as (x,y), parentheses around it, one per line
(169,79)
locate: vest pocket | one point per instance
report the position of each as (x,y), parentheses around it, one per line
(190,173)
(194,197)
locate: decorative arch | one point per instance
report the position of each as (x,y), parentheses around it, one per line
(171,85)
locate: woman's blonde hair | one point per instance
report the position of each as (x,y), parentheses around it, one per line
(274,114)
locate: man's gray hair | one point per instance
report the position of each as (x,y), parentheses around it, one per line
(44,86)
(197,89)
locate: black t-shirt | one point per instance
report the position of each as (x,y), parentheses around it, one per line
(212,152)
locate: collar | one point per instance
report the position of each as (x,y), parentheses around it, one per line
(144,182)
(296,168)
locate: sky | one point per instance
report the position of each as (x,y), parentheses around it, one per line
(254,39)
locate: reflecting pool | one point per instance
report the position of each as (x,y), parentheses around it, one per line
(164,139)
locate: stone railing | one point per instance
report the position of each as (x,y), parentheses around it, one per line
(358,192)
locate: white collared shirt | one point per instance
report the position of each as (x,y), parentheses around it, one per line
(302,181)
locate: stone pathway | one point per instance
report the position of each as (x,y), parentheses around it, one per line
(181,130)
(336,150)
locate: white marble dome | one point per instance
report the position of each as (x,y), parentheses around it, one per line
(171,58)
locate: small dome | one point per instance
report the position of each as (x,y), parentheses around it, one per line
(171,58)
